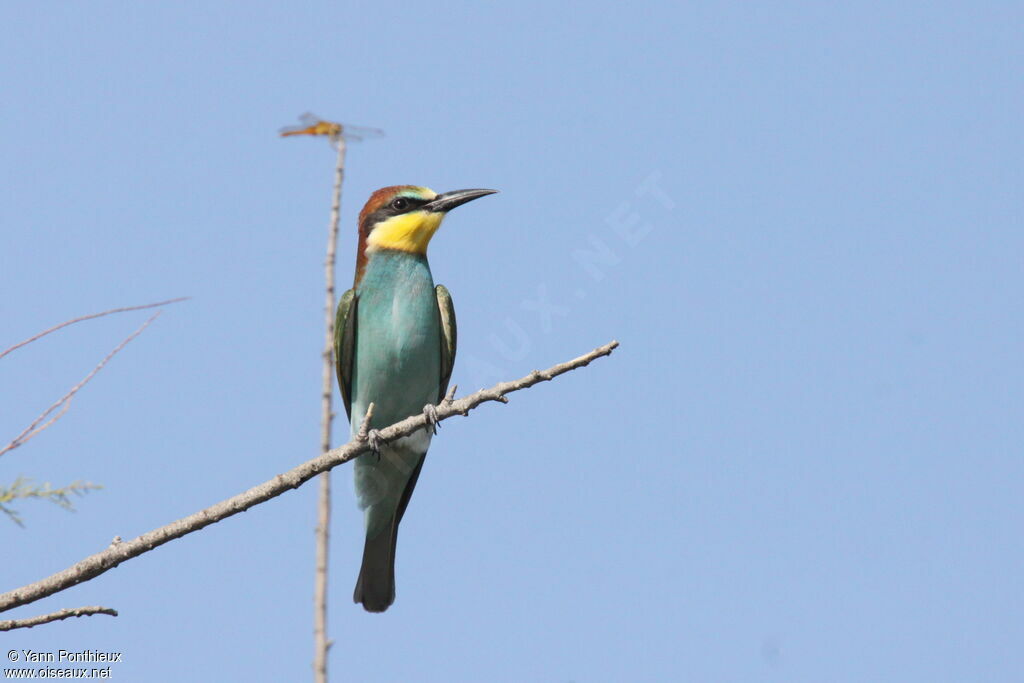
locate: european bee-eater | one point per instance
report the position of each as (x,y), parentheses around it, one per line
(394,346)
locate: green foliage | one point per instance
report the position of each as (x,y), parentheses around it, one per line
(23,488)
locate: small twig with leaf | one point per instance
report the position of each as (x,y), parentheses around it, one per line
(23,489)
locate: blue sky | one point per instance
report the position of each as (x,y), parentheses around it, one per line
(804,463)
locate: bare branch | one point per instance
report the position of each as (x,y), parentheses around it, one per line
(64,401)
(97,564)
(67,613)
(124,309)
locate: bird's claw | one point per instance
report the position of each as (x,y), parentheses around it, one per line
(430,413)
(374,441)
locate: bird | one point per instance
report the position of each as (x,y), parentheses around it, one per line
(394,347)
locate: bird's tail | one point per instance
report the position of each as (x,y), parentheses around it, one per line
(375,587)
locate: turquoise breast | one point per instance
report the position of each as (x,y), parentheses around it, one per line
(397,360)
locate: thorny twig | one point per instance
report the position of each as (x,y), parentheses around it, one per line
(123,309)
(65,401)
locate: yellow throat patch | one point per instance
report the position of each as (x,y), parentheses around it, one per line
(405,232)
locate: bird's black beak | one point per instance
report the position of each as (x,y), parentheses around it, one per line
(449,200)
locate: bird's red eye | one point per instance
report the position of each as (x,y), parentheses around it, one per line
(400,203)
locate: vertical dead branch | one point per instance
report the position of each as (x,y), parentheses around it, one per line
(321,643)
(338,134)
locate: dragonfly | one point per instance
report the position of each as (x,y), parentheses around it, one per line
(311,124)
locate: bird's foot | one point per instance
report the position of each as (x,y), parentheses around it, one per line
(374,441)
(430,413)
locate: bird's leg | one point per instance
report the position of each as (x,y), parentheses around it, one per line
(430,413)
(370,436)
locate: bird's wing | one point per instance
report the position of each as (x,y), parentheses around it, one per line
(448,337)
(344,345)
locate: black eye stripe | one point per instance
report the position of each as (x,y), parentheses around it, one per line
(408,204)
(387,211)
